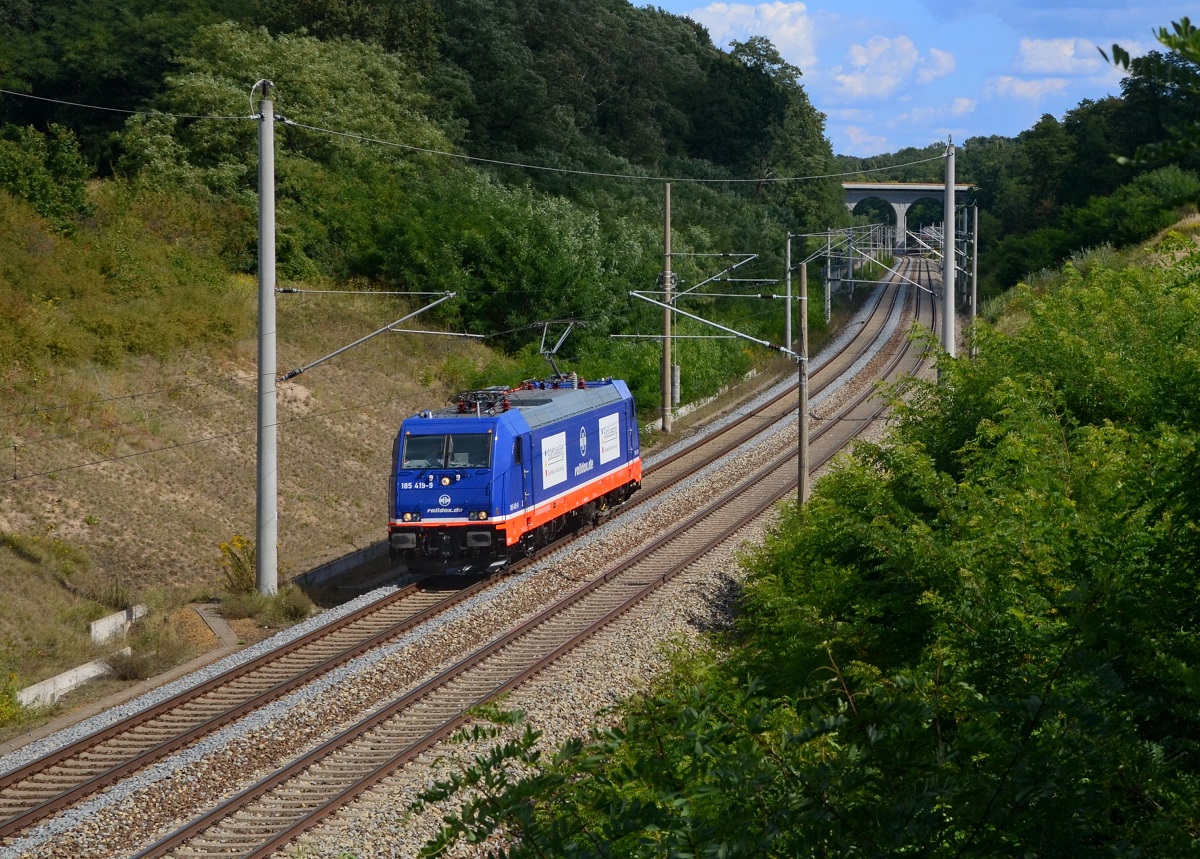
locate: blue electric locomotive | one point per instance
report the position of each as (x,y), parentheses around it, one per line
(502,472)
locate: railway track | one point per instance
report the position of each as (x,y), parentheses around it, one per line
(272,813)
(56,781)
(833,368)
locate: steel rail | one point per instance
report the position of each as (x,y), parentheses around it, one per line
(770,483)
(53,765)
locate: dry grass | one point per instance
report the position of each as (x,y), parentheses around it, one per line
(127,481)
(119,482)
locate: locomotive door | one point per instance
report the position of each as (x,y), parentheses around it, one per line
(526,473)
(520,476)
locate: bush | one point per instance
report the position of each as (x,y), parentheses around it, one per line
(46,171)
(238,562)
(285,608)
(11,710)
(154,647)
(243,604)
(290,605)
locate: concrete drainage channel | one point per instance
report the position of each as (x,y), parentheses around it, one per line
(116,625)
(102,631)
(106,629)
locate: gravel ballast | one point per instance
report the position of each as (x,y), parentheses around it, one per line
(577,693)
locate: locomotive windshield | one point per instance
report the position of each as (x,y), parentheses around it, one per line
(451,450)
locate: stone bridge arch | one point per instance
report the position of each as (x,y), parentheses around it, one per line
(900,196)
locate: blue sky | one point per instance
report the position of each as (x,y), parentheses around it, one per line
(914,72)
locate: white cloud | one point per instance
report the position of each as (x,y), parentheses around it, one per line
(963,106)
(849,114)
(938,65)
(1057,57)
(862,142)
(881,66)
(787,25)
(925,115)
(1007,86)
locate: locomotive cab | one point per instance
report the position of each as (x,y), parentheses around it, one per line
(443,493)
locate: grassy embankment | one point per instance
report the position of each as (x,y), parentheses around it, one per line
(128,370)
(128,362)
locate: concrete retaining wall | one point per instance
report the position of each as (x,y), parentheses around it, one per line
(48,691)
(325,572)
(115,625)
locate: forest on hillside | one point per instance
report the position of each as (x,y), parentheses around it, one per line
(599,94)
(400,123)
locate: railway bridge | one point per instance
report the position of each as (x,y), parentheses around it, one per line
(900,196)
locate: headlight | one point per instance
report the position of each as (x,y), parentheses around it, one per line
(477,515)
(410,517)
(445,480)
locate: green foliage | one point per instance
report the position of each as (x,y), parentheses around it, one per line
(1008,546)
(111,53)
(237,565)
(1179,73)
(576,85)
(976,639)
(514,255)
(290,605)
(408,28)
(48,172)
(316,83)
(145,276)
(243,604)
(1131,214)
(11,710)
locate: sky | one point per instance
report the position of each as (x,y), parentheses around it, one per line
(888,75)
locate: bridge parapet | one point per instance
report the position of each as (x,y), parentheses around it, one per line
(899,195)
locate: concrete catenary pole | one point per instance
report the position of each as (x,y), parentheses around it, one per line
(948,255)
(667,371)
(974,267)
(787,294)
(266,558)
(802,486)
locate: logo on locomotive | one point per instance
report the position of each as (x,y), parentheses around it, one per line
(444,500)
(582,441)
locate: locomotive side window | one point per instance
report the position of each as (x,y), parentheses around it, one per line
(459,450)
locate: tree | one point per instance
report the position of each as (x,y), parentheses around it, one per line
(1048,154)
(742,107)
(1178,74)
(1096,130)
(111,53)
(48,172)
(405,27)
